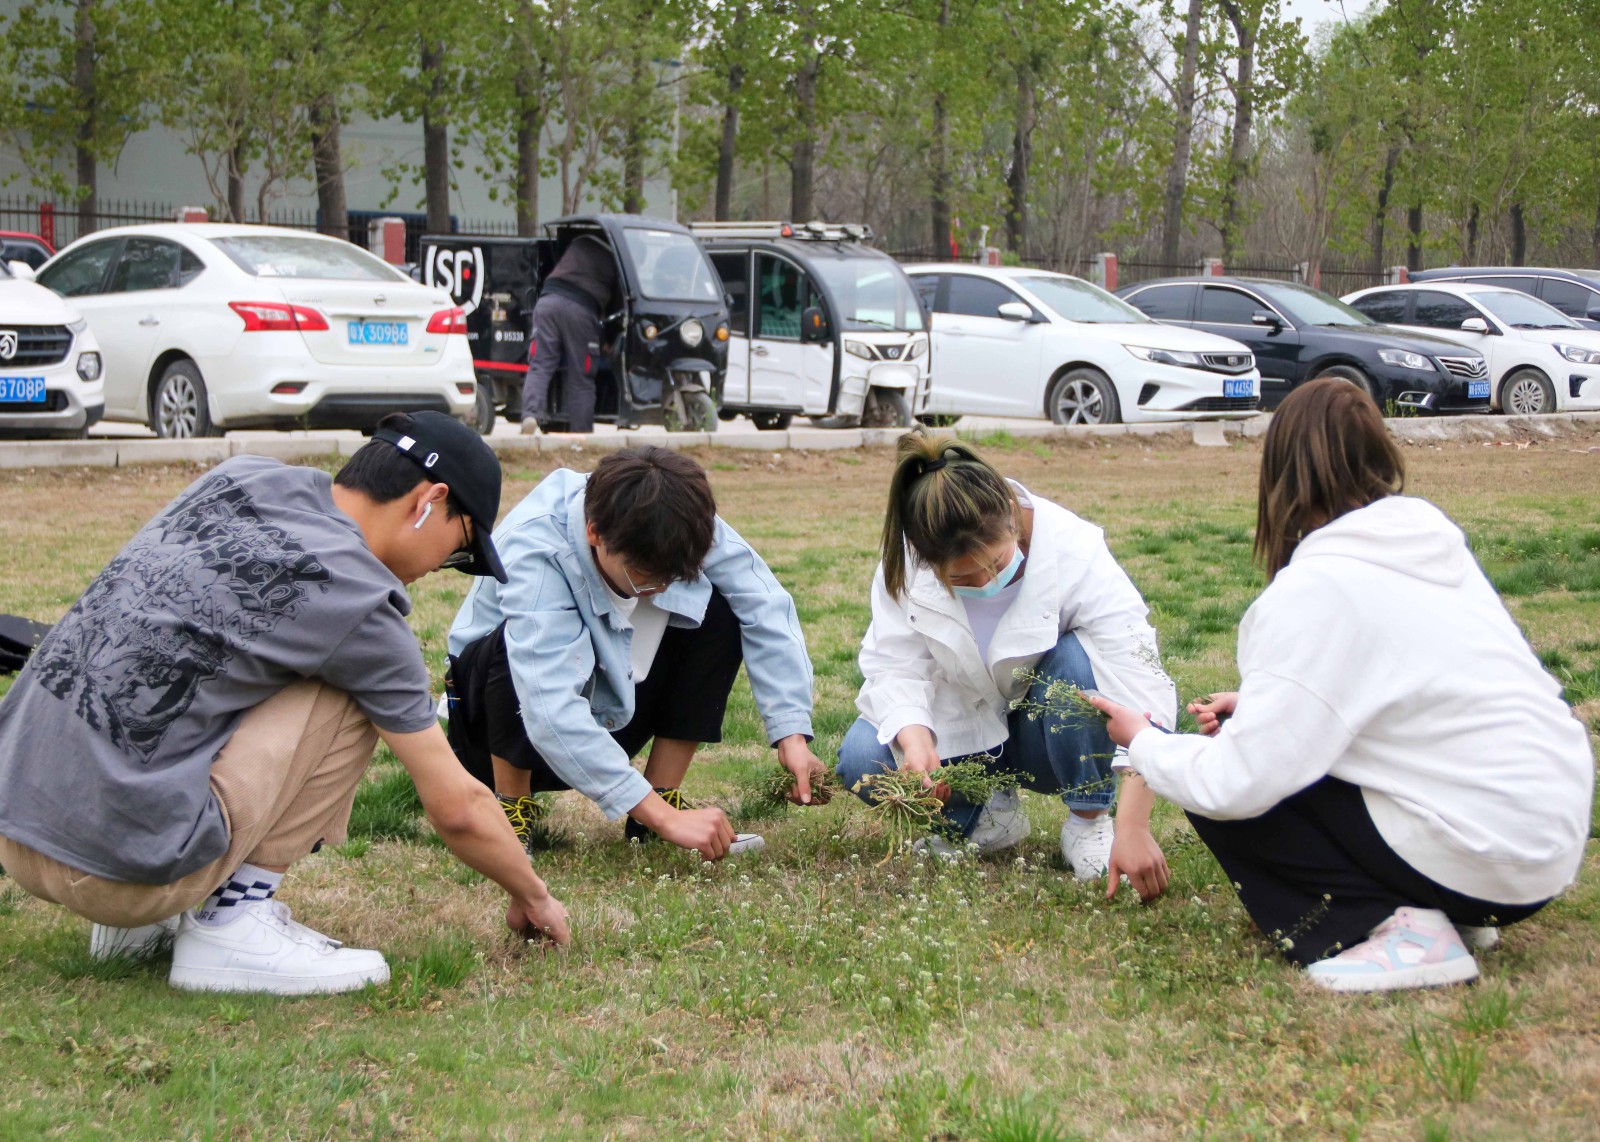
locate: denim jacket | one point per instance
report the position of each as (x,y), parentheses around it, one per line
(569,649)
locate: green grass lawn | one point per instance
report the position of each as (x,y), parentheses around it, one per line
(811,991)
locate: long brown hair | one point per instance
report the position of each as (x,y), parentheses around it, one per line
(945,502)
(1326,453)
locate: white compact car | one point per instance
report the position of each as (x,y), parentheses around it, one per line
(50,367)
(1010,341)
(1540,360)
(211,326)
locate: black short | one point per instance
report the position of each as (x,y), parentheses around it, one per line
(684,697)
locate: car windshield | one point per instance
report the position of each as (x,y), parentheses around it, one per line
(1520,311)
(671,266)
(1078,300)
(870,293)
(1309,306)
(290,256)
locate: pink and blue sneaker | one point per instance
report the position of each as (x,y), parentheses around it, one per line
(1416,947)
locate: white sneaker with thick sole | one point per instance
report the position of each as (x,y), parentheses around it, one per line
(139,943)
(265,950)
(1416,947)
(1087,847)
(1001,823)
(746,843)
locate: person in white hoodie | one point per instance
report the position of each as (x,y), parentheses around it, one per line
(986,594)
(1395,763)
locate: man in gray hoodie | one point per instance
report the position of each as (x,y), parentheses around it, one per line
(566,334)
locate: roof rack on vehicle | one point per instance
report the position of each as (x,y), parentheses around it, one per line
(810,231)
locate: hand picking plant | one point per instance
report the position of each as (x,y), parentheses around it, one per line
(772,787)
(1063,700)
(909,808)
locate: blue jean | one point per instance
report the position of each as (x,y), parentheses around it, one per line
(1049,754)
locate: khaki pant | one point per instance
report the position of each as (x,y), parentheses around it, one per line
(286,780)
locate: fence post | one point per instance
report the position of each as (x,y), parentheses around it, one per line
(193,214)
(1211,267)
(1105,272)
(386,237)
(1397,275)
(47,222)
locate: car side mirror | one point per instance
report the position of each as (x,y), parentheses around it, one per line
(22,270)
(1475,325)
(1266,317)
(813,326)
(1593,314)
(1015,311)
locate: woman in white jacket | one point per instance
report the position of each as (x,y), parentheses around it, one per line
(1396,762)
(982,584)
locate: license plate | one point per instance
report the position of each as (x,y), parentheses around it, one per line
(21,390)
(1477,389)
(378,333)
(1243,387)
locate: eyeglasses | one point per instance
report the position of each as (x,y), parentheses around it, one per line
(462,555)
(646,588)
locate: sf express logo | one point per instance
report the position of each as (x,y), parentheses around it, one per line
(460,271)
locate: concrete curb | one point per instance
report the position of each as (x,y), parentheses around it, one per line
(120,453)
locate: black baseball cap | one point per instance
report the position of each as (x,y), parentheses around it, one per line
(453,454)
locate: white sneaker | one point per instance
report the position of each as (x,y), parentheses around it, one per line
(1086,847)
(1001,823)
(143,942)
(529,426)
(265,950)
(746,843)
(1478,939)
(1416,947)
(936,846)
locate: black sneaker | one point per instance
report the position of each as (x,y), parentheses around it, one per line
(524,813)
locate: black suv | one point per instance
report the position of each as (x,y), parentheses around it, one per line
(1575,293)
(1299,333)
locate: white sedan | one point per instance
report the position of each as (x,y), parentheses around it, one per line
(1011,341)
(1540,360)
(50,368)
(209,326)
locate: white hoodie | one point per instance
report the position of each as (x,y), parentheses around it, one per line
(1382,656)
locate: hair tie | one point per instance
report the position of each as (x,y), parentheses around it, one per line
(933,465)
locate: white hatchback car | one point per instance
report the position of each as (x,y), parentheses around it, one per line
(1011,341)
(50,367)
(211,326)
(1540,360)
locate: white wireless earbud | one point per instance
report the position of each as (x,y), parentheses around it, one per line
(427,510)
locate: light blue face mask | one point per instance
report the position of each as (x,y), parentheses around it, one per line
(999,583)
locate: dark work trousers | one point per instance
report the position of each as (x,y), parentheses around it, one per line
(684,697)
(566,343)
(1316,876)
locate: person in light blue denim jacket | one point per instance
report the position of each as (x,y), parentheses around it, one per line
(628,607)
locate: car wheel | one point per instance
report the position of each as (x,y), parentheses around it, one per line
(699,413)
(1357,378)
(938,419)
(1082,396)
(886,408)
(178,408)
(771,421)
(1527,392)
(483,416)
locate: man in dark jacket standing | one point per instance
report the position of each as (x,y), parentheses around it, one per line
(566,334)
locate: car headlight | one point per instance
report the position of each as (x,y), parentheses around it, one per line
(1401,359)
(89,366)
(1165,356)
(919,346)
(858,349)
(722,332)
(692,333)
(1578,355)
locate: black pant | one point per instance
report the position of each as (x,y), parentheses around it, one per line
(566,343)
(684,697)
(1316,876)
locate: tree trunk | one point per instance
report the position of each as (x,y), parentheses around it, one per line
(803,162)
(235,202)
(727,149)
(1240,151)
(1414,237)
(1021,161)
(530,129)
(435,140)
(83,60)
(633,138)
(1380,216)
(1182,139)
(327,160)
(939,189)
(1519,235)
(1472,235)
(1595,240)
